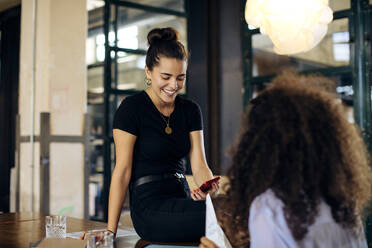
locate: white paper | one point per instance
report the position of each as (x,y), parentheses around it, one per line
(213,231)
(119,233)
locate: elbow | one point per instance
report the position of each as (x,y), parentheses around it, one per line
(199,166)
(122,173)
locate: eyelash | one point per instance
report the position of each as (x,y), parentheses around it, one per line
(178,79)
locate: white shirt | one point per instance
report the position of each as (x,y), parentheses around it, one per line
(268,227)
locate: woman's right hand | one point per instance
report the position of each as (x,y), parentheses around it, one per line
(198,195)
(207,243)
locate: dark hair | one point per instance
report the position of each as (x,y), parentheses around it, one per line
(164,42)
(296,140)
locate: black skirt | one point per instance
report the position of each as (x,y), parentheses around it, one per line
(163,211)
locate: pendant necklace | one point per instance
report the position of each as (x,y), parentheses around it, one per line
(168,129)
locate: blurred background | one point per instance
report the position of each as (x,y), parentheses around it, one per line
(65,66)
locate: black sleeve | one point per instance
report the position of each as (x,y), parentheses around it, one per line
(195,119)
(126,117)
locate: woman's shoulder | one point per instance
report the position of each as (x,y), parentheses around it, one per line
(127,117)
(187,103)
(266,202)
(133,101)
(268,198)
(135,98)
(130,105)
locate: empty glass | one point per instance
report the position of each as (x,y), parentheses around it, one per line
(55,226)
(99,239)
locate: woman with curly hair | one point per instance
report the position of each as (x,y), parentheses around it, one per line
(300,174)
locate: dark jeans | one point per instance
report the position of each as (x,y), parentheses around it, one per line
(163,211)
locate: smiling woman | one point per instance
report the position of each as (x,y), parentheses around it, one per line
(153,131)
(166,64)
(167,79)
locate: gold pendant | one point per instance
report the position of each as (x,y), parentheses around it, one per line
(168,130)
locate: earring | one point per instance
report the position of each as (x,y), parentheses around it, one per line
(147,81)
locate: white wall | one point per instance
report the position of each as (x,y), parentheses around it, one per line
(60,89)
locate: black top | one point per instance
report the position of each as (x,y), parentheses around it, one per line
(156,152)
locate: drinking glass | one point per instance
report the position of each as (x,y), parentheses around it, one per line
(55,226)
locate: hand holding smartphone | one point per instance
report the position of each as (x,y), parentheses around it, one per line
(208,184)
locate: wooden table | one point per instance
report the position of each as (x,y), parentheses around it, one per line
(22,229)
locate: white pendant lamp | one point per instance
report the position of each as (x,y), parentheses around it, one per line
(294,26)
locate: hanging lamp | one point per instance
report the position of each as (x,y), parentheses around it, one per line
(294,26)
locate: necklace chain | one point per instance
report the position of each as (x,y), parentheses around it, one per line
(168,129)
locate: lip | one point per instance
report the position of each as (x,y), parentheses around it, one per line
(169,93)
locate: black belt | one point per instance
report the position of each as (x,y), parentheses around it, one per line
(152,178)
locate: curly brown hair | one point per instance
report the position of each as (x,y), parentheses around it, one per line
(296,140)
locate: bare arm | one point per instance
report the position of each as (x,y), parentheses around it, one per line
(124,145)
(199,167)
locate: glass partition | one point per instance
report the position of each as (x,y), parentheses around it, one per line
(166,4)
(337,5)
(332,51)
(130,72)
(134,25)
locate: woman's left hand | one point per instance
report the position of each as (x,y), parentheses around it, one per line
(206,243)
(198,195)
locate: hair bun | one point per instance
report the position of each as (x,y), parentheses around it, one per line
(162,34)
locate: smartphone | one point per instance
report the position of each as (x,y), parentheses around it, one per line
(208,184)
